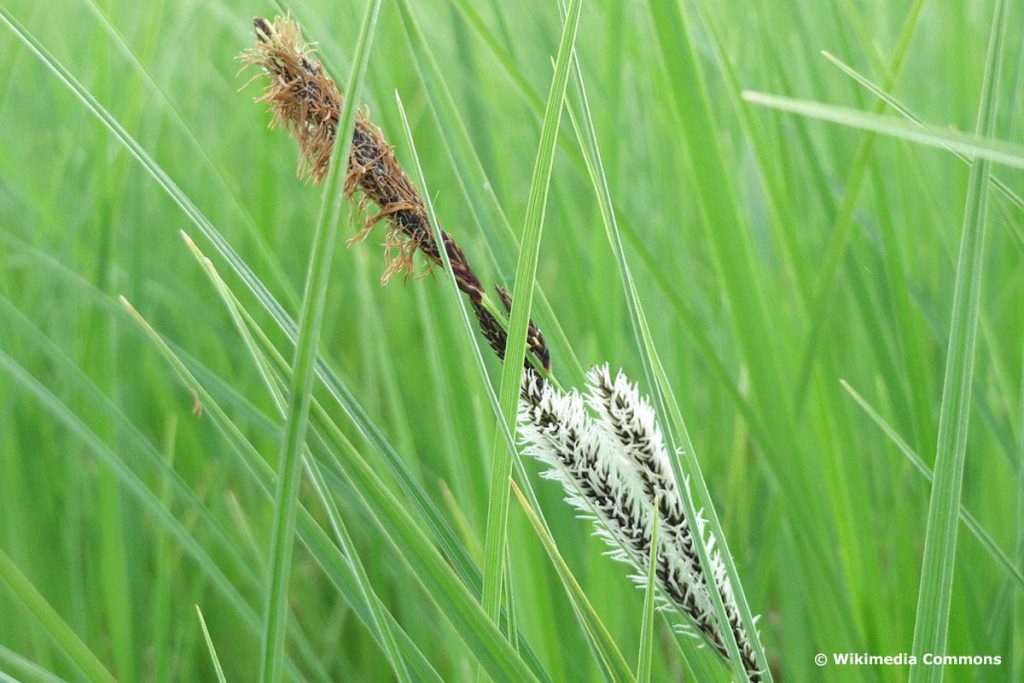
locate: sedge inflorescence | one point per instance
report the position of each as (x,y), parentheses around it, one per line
(604,446)
(608,452)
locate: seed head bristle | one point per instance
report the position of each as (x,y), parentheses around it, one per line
(301,97)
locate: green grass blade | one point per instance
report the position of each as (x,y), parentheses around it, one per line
(28,669)
(149,501)
(903,111)
(266,253)
(144,158)
(584,126)
(341,393)
(302,380)
(689,471)
(611,658)
(129,480)
(492,397)
(131,436)
(522,299)
(527,488)
(936,587)
(969,520)
(487,211)
(218,669)
(645,659)
(481,635)
(978,145)
(62,634)
(378,619)
(716,199)
(843,223)
(316,539)
(453,286)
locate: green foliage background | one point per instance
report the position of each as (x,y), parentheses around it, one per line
(825,515)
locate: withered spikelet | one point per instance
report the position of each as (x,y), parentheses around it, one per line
(305,100)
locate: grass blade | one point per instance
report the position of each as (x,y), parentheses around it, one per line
(522,298)
(716,198)
(979,146)
(611,658)
(316,539)
(209,646)
(903,111)
(339,391)
(487,211)
(301,388)
(936,587)
(966,517)
(378,622)
(501,661)
(461,608)
(646,656)
(65,638)
(248,222)
(843,223)
(28,668)
(601,645)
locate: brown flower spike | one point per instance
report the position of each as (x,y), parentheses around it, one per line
(307,102)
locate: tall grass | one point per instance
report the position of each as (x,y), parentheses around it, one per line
(698,218)
(307,343)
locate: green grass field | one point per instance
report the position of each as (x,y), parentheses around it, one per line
(792,248)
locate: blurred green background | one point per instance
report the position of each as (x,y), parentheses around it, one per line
(824,514)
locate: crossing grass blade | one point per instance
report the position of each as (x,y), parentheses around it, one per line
(612,661)
(122,123)
(217,668)
(969,520)
(646,656)
(675,43)
(405,535)
(315,538)
(341,393)
(604,646)
(493,653)
(474,182)
(897,106)
(936,587)
(495,571)
(977,145)
(378,617)
(842,225)
(306,346)
(252,231)
(26,668)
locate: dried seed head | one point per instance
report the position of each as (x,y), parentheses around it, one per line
(307,102)
(304,100)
